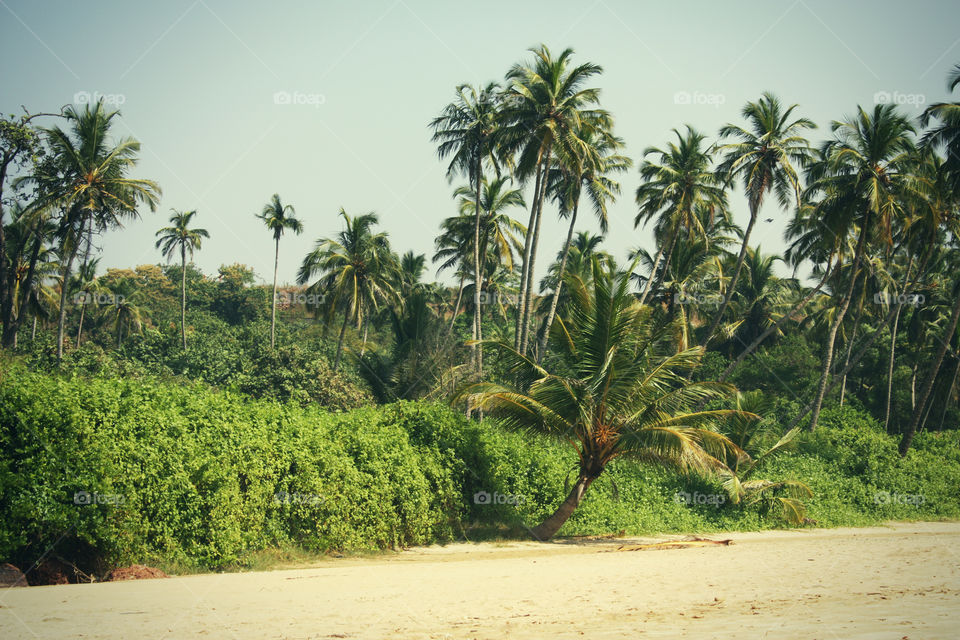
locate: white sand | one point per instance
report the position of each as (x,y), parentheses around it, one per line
(901,581)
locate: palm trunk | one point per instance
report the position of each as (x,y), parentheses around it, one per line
(62,321)
(733,280)
(667,257)
(456,307)
(119,332)
(913,387)
(653,272)
(477,210)
(835,325)
(531,270)
(527,239)
(931,379)
(28,281)
(363,345)
(549,527)
(890,363)
(83,308)
(33,331)
(343,331)
(953,383)
(273,312)
(183,296)
(782,321)
(542,349)
(846,361)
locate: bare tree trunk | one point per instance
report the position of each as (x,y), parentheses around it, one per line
(527,239)
(64,287)
(83,308)
(475,348)
(183,296)
(33,331)
(733,280)
(931,379)
(890,363)
(273,311)
(531,269)
(653,272)
(913,388)
(853,337)
(456,307)
(542,349)
(549,527)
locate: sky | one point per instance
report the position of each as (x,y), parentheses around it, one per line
(328,103)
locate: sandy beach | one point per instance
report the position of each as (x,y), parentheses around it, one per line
(900,581)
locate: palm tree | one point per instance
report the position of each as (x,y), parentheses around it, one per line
(543,105)
(464,131)
(85,286)
(86,180)
(862,180)
(674,188)
(946,134)
(181,238)
(611,391)
(356,271)
(585,161)
(278,218)
(765,157)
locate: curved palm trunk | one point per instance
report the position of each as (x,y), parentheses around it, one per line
(83,308)
(542,349)
(527,239)
(33,331)
(531,269)
(62,321)
(668,256)
(456,307)
(183,296)
(893,351)
(549,527)
(273,312)
(477,332)
(733,280)
(846,361)
(911,430)
(775,327)
(653,272)
(835,325)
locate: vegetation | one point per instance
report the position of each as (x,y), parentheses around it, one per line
(690,367)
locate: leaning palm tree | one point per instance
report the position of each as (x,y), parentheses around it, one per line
(766,157)
(543,105)
(181,238)
(356,272)
(464,131)
(278,218)
(676,187)
(86,180)
(612,391)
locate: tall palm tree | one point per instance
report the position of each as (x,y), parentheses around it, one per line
(766,157)
(356,271)
(278,218)
(585,161)
(179,237)
(862,180)
(674,188)
(543,105)
(611,391)
(464,131)
(87,180)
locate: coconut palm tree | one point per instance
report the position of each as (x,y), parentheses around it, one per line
(861,179)
(611,391)
(544,103)
(766,157)
(356,271)
(587,160)
(464,132)
(87,181)
(278,218)
(179,237)
(675,187)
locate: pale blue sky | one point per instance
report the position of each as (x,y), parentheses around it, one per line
(197,81)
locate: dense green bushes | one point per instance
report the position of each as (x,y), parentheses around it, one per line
(182,474)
